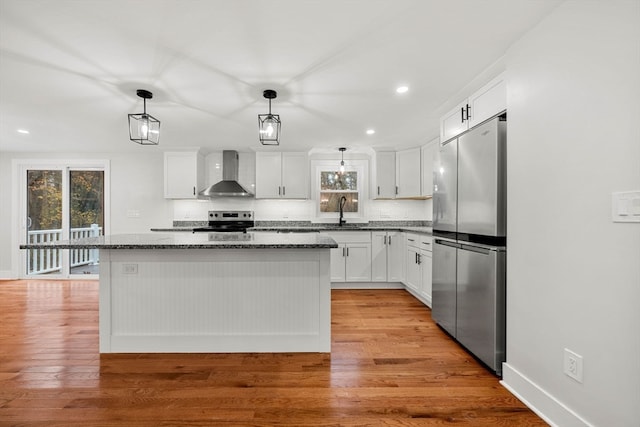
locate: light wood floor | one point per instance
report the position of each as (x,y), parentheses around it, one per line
(390,365)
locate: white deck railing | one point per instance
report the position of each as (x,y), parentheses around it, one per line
(40,261)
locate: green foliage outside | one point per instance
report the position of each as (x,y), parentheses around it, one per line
(45,198)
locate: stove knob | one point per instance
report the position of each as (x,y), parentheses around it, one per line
(216,215)
(249,215)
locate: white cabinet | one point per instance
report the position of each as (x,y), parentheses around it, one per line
(183,174)
(483,104)
(429,153)
(419,267)
(426,257)
(395,256)
(454,122)
(413,278)
(351,260)
(387,256)
(282,175)
(408,173)
(385,184)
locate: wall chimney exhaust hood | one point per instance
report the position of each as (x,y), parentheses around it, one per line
(229,186)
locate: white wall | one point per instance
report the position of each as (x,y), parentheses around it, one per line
(136,184)
(573,274)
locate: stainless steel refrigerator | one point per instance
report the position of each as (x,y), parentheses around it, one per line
(469,229)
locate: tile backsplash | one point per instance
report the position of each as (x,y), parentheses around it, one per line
(299,210)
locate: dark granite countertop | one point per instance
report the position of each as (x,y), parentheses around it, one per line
(317,228)
(249,240)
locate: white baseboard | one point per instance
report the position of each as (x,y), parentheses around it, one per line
(367,285)
(7,275)
(422,298)
(546,406)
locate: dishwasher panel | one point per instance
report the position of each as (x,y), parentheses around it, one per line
(480,318)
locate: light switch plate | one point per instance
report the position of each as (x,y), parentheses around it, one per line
(626,206)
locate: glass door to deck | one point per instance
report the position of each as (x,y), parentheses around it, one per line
(63,204)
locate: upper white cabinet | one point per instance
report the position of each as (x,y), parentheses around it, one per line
(488,101)
(183,174)
(282,175)
(454,122)
(385,185)
(408,173)
(429,153)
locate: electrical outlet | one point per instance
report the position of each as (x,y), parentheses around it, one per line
(573,365)
(130,268)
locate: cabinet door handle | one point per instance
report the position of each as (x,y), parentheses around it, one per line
(468,109)
(378,190)
(343,252)
(283,190)
(389,240)
(194,191)
(347,251)
(411,240)
(279,191)
(462,114)
(419,259)
(384,242)
(396,190)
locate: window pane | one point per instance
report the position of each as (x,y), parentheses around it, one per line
(337,181)
(87,217)
(44,219)
(329,201)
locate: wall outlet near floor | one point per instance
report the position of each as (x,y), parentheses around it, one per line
(573,365)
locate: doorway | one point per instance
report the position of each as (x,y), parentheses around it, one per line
(62,202)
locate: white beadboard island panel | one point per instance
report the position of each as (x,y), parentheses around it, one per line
(210,300)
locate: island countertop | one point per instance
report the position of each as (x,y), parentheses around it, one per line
(262,240)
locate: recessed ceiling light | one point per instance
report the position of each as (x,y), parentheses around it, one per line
(370,131)
(402,89)
(23,131)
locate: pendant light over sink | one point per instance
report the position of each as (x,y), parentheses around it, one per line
(144,129)
(342,150)
(269,124)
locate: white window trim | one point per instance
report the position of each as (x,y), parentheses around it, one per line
(359,166)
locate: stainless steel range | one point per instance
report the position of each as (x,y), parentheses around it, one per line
(228,221)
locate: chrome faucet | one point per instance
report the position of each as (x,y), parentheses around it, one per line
(343,200)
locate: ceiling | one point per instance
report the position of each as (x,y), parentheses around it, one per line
(69,69)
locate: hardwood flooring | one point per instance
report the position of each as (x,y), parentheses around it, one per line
(390,365)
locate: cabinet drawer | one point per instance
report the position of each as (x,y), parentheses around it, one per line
(413,240)
(426,243)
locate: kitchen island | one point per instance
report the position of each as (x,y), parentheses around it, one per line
(212,292)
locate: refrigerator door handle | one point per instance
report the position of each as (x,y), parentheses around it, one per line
(447,243)
(475,249)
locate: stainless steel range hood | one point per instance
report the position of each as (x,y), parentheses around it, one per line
(229,186)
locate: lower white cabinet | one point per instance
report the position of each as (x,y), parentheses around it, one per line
(387,256)
(426,258)
(351,260)
(419,266)
(413,278)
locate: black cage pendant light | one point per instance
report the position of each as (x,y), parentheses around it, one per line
(144,129)
(269,124)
